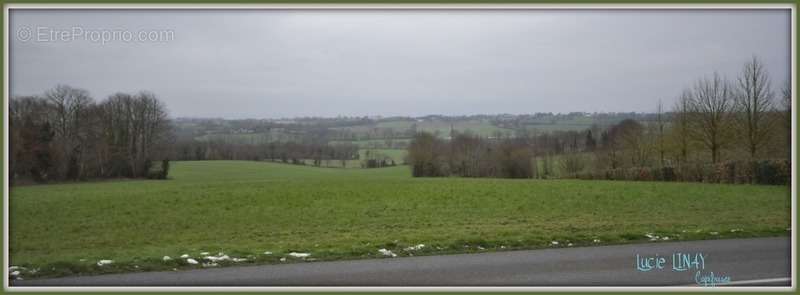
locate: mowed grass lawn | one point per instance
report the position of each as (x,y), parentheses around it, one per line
(246,208)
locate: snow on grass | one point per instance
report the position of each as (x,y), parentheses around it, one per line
(387,252)
(191,261)
(166,258)
(415,248)
(104,262)
(219,257)
(299,255)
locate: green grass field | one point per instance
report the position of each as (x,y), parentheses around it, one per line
(373,143)
(246,208)
(477,127)
(442,128)
(275,135)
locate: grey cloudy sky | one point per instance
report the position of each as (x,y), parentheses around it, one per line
(268,63)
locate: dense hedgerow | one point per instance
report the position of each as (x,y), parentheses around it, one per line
(774,172)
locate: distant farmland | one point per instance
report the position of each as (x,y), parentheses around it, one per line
(383,133)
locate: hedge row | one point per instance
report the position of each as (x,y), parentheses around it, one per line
(775,172)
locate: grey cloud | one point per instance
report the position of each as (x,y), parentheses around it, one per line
(264,63)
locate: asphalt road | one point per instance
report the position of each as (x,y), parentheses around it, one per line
(762,261)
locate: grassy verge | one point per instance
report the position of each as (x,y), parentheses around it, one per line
(244,209)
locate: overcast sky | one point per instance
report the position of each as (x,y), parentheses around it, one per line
(268,64)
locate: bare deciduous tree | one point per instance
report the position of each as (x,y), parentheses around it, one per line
(632,136)
(660,122)
(711,106)
(682,126)
(786,103)
(753,99)
(117,137)
(70,119)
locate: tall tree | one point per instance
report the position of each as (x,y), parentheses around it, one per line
(786,104)
(660,122)
(753,101)
(711,106)
(590,142)
(630,134)
(70,121)
(682,121)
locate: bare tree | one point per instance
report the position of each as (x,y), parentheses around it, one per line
(710,107)
(610,148)
(631,135)
(660,125)
(682,128)
(136,129)
(65,135)
(572,163)
(786,103)
(753,102)
(150,125)
(70,119)
(30,134)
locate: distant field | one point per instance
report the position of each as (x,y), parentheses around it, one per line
(481,128)
(558,127)
(442,128)
(374,143)
(250,138)
(246,208)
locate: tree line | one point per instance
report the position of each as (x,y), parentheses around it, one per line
(736,127)
(286,152)
(719,130)
(64,134)
(469,155)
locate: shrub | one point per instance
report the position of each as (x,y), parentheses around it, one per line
(164,168)
(158,172)
(667,174)
(644,175)
(774,172)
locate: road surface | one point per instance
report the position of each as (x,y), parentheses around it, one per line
(761,261)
